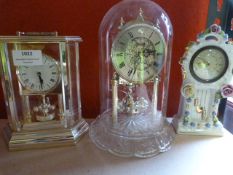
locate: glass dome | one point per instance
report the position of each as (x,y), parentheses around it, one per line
(135,39)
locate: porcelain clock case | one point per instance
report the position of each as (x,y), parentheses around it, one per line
(40,78)
(207,66)
(138,52)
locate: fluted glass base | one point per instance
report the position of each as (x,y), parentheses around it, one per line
(141,135)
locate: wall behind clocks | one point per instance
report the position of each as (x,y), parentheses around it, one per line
(82,18)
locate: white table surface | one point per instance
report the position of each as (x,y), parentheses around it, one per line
(189,155)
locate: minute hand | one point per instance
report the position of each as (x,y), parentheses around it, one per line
(148,52)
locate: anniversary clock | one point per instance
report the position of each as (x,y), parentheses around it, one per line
(40,78)
(135,44)
(207,71)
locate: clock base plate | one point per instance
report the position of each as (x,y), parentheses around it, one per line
(44,138)
(192,130)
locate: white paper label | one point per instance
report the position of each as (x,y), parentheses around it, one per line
(27,57)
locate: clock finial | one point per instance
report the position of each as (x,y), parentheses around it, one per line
(140,16)
(122,23)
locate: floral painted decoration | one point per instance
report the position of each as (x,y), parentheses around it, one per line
(227,91)
(214,28)
(188,91)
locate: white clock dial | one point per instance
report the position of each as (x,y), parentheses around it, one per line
(138,52)
(40,78)
(209,64)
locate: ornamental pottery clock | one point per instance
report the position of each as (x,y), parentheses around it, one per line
(207,71)
(40,78)
(135,45)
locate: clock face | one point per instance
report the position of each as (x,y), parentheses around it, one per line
(40,78)
(209,64)
(138,53)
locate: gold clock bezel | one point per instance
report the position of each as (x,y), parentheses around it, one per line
(127,27)
(27,90)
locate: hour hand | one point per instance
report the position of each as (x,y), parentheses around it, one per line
(202,64)
(40,79)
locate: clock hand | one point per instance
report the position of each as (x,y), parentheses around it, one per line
(134,68)
(141,63)
(135,64)
(148,52)
(203,63)
(40,79)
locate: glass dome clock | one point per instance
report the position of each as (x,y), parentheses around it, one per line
(207,74)
(40,78)
(135,47)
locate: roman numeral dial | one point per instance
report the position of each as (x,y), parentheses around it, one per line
(138,52)
(40,78)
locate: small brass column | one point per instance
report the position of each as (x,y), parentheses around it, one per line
(155,95)
(114,99)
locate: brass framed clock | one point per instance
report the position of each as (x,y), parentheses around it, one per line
(135,44)
(40,78)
